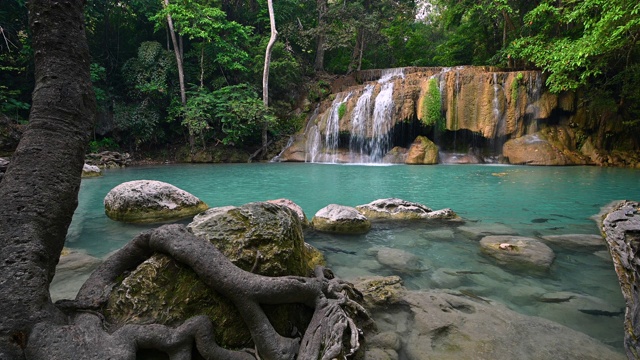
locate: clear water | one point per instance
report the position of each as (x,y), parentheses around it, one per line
(530,200)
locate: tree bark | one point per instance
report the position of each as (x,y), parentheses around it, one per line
(40,188)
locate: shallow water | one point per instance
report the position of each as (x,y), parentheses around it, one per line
(530,201)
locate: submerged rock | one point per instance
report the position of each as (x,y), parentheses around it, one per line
(577,241)
(518,251)
(398,209)
(476,231)
(73,269)
(621,228)
(399,260)
(434,324)
(258,237)
(147,201)
(340,219)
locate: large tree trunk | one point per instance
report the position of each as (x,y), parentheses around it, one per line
(40,188)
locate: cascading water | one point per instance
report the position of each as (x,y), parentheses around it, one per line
(327,150)
(382,120)
(358,146)
(314,144)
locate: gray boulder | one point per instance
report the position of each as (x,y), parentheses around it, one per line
(621,228)
(518,252)
(398,209)
(147,201)
(91,171)
(340,219)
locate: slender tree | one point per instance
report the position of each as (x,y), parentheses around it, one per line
(265,72)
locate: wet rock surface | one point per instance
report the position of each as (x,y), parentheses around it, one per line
(435,324)
(621,228)
(518,252)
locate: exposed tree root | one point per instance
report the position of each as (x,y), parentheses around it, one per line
(332,333)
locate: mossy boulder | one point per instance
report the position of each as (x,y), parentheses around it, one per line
(260,237)
(148,201)
(340,219)
(422,152)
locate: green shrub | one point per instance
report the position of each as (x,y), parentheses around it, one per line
(432,107)
(342,109)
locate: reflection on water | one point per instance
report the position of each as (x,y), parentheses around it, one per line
(580,290)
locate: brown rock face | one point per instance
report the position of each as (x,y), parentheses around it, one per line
(533,150)
(422,152)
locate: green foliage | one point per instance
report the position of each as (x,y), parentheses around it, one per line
(342,109)
(210,25)
(515,87)
(104,144)
(98,75)
(148,72)
(233,114)
(600,33)
(319,91)
(432,107)
(137,124)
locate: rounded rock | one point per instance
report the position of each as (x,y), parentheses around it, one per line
(340,219)
(148,201)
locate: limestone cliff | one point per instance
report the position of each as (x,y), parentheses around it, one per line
(483,108)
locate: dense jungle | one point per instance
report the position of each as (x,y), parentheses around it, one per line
(193,90)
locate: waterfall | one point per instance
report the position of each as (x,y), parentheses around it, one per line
(361,113)
(390,74)
(382,120)
(314,144)
(327,150)
(500,127)
(534,91)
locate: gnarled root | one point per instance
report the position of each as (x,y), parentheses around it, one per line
(331,326)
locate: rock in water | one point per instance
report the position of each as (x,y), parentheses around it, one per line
(340,219)
(398,209)
(91,171)
(621,228)
(147,201)
(422,152)
(518,251)
(260,237)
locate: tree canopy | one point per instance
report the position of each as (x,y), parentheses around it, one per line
(590,44)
